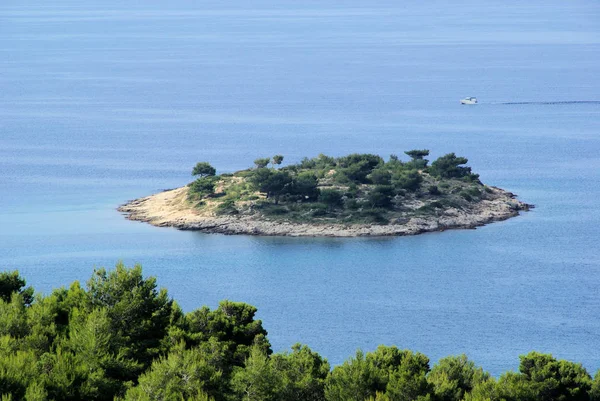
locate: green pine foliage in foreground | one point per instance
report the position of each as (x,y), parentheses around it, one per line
(122,338)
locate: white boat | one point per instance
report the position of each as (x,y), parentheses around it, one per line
(469,100)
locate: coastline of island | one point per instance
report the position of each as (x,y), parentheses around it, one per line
(171,209)
(352,196)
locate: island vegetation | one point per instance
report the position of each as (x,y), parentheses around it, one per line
(358,188)
(350,195)
(122,338)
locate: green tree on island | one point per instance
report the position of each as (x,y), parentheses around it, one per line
(417,154)
(203,169)
(451,166)
(277,159)
(273,182)
(418,158)
(262,162)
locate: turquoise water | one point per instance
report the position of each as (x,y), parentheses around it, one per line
(102,103)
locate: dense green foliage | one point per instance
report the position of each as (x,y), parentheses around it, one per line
(11,282)
(204,186)
(203,169)
(122,338)
(450,166)
(358,188)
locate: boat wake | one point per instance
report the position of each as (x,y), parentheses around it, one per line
(553,102)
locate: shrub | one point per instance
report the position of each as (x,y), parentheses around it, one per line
(275,210)
(434,190)
(272,182)
(227,207)
(331,197)
(380,177)
(305,186)
(381,196)
(358,166)
(318,210)
(341,178)
(244,173)
(204,186)
(450,166)
(352,204)
(407,180)
(467,196)
(373,216)
(474,191)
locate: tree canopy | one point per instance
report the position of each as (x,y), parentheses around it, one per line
(203,169)
(262,162)
(451,166)
(277,159)
(417,154)
(123,338)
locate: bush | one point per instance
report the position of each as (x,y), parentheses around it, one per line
(474,191)
(380,177)
(352,204)
(305,186)
(407,180)
(381,196)
(419,164)
(331,197)
(466,196)
(358,166)
(340,177)
(204,186)
(451,203)
(227,207)
(272,182)
(244,173)
(434,190)
(275,210)
(373,216)
(357,172)
(474,178)
(450,166)
(318,210)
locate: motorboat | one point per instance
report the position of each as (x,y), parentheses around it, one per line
(469,100)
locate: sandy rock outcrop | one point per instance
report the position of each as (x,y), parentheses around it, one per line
(172,209)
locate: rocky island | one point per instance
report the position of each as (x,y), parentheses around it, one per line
(354,195)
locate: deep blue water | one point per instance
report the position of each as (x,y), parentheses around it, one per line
(101,102)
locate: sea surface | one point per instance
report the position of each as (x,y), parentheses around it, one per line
(106,101)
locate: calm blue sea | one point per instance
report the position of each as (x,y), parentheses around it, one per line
(106,101)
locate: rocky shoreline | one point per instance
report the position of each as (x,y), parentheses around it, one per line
(171,209)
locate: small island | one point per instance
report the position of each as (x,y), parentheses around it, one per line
(354,195)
